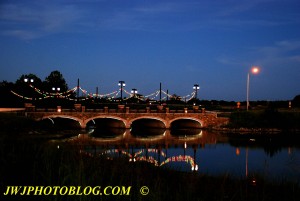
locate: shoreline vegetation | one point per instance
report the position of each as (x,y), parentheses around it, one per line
(269,121)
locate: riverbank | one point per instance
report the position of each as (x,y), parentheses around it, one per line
(257,131)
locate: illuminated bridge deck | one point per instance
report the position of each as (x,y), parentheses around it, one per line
(205,119)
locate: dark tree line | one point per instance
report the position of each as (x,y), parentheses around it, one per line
(53,83)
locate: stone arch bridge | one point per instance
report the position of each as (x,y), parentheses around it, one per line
(205,119)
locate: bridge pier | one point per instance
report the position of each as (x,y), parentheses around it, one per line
(83,126)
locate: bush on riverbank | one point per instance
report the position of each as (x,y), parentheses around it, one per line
(265,119)
(15,123)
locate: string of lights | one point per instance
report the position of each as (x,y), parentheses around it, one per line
(110,95)
(52,94)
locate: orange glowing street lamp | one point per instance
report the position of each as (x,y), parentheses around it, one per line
(254,70)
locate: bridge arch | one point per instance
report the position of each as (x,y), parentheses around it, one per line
(53,116)
(166,125)
(125,122)
(187,118)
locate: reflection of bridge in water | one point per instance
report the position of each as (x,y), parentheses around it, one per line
(157,150)
(144,155)
(165,139)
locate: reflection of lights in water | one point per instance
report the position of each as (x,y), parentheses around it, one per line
(146,138)
(132,160)
(51,120)
(107,139)
(195,168)
(108,135)
(191,137)
(138,157)
(180,158)
(253,181)
(152,133)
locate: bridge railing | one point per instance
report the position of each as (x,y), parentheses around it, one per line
(122,109)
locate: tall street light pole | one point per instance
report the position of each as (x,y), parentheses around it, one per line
(56,90)
(30,80)
(134,92)
(196,88)
(122,84)
(254,70)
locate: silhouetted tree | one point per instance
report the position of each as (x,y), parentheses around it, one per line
(37,82)
(296,101)
(22,85)
(7,98)
(55,80)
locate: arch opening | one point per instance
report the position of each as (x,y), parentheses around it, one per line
(147,127)
(106,127)
(184,127)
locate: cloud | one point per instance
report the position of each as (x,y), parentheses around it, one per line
(281,54)
(38,18)
(285,50)
(22,34)
(30,21)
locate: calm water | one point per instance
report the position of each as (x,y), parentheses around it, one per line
(276,157)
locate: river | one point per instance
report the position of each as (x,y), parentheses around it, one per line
(189,164)
(272,156)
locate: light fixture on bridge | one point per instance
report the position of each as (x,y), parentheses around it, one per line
(55,88)
(195,168)
(31,80)
(28,80)
(134,92)
(196,88)
(122,84)
(132,160)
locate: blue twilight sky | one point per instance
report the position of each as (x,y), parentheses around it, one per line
(144,42)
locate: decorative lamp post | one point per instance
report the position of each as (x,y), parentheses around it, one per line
(196,88)
(30,80)
(56,90)
(134,92)
(122,84)
(254,70)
